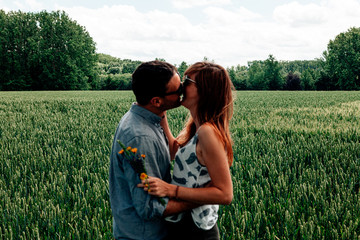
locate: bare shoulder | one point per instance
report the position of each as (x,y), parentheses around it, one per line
(207,134)
(210,150)
(205,130)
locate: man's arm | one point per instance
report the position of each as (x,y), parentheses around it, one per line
(175,206)
(146,206)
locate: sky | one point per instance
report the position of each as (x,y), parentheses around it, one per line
(228,32)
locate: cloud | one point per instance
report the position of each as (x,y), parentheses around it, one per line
(224,33)
(124,32)
(229,36)
(327,13)
(29,5)
(221,16)
(297,15)
(181,4)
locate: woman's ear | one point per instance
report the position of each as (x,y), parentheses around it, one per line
(156,101)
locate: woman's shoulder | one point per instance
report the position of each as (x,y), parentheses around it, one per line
(206,131)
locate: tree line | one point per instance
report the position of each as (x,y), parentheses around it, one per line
(337,69)
(49,51)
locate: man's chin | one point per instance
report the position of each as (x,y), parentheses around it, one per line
(178,104)
(175,105)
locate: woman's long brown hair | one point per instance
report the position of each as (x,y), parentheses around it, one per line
(215,106)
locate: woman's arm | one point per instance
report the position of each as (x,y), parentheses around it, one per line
(212,153)
(173,145)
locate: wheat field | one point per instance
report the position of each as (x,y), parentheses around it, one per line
(296,170)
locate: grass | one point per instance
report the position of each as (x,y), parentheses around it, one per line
(296,170)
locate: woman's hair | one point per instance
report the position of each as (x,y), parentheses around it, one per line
(150,80)
(215,106)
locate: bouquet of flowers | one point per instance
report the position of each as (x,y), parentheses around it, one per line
(137,163)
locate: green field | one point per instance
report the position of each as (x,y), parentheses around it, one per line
(296,170)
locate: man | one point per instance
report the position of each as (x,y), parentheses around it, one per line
(137,214)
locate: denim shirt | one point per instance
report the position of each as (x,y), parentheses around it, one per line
(136,214)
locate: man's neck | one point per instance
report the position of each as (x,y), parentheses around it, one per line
(152,109)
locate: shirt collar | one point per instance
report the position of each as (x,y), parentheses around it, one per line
(146,114)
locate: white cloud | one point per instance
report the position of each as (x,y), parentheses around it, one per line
(298,15)
(328,13)
(230,36)
(3,6)
(29,5)
(314,25)
(181,4)
(124,32)
(220,16)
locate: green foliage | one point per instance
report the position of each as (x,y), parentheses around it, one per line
(44,51)
(115,82)
(238,76)
(18,41)
(272,74)
(114,73)
(256,80)
(308,81)
(301,66)
(343,60)
(293,81)
(181,69)
(295,173)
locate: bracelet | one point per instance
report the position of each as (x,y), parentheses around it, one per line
(176,192)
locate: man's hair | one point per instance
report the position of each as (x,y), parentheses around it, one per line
(150,80)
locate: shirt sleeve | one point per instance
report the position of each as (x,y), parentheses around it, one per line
(147,206)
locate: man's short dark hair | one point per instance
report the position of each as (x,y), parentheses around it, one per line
(150,80)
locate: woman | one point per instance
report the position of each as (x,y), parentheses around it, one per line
(205,153)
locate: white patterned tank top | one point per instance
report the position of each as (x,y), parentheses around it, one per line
(188,172)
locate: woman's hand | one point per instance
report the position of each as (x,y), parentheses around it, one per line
(157,187)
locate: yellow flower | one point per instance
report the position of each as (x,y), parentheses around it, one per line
(121,151)
(143,155)
(128,148)
(134,150)
(143,176)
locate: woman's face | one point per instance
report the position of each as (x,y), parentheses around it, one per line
(190,98)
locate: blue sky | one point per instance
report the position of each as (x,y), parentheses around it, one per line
(230,32)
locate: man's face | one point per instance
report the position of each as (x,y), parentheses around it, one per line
(172,100)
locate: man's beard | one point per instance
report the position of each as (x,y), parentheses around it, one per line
(170,105)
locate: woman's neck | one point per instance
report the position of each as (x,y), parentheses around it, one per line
(195,119)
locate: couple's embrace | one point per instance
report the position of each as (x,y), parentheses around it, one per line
(202,155)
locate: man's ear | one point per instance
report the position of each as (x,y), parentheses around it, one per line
(156,101)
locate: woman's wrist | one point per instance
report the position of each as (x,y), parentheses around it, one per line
(175,192)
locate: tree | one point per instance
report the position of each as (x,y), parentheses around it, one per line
(129,66)
(307,81)
(44,51)
(17,46)
(182,68)
(256,80)
(232,74)
(292,82)
(342,60)
(238,76)
(272,73)
(67,53)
